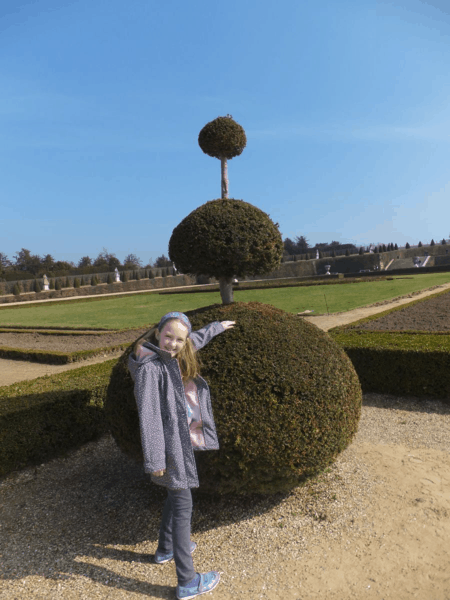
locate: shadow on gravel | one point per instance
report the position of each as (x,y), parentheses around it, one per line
(410,403)
(64,517)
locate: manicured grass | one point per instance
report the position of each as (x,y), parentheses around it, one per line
(142,310)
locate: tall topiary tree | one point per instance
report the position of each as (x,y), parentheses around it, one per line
(281,416)
(224,139)
(225,238)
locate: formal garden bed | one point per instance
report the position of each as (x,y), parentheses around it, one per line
(404,350)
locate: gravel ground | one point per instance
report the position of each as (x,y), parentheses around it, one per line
(86,526)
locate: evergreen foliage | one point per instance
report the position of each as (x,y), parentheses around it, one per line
(420,244)
(407,245)
(443,242)
(17,290)
(76,283)
(37,286)
(110,278)
(222,138)
(347,252)
(226,238)
(361,250)
(281,416)
(432,243)
(58,284)
(51,284)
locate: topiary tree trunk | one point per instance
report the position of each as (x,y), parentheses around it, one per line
(224,173)
(226,290)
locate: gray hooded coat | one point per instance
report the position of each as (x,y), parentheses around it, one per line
(161,402)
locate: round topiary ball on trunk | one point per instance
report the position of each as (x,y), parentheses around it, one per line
(285,397)
(226,237)
(222,138)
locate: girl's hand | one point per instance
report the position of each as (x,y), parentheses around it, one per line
(228,324)
(159,473)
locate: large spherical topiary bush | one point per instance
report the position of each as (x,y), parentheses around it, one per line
(226,237)
(222,138)
(285,396)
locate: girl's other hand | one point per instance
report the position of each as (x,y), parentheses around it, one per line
(228,324)
(159,473)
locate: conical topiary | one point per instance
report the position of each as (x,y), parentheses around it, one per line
(57,284)
(17,290)
(285,397)
(76,283)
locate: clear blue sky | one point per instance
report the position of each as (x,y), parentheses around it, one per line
(345,104)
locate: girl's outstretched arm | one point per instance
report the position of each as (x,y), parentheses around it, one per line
(204,335)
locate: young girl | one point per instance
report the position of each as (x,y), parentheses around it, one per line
(176,419)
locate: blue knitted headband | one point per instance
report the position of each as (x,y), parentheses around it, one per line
(175,315)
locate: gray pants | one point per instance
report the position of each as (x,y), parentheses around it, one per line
(175,532)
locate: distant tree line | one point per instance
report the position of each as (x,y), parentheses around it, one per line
(300,247)
(26,265)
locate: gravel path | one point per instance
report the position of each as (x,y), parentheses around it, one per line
(375,526)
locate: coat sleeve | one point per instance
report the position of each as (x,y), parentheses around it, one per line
(147,394)
(204,335)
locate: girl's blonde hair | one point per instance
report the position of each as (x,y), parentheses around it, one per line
(187,356)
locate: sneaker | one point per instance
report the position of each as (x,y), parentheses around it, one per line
(208,582)
(161,557)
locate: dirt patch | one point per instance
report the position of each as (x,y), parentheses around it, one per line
(67,343)
(327,322)
(432,315)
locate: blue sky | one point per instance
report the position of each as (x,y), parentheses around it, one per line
(345,105)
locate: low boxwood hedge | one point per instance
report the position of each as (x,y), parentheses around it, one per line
(44,418)
(413,362)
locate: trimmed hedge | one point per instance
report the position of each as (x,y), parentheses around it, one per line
(410,362)
(44,418)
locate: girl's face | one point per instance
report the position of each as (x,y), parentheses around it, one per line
(172,337)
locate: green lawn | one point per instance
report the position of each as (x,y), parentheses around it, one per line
(144,309)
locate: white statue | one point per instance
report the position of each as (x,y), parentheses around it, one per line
(45,283)
(317,254)
(117,274)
